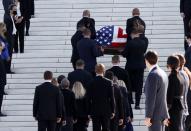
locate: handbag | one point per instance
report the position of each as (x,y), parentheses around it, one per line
(128,127)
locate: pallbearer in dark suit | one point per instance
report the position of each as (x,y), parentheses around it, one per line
(155,91)
(101,101)
(47,108)
(120,73)
(88,51)
(175,95)
(74,40)
(88,23)
(130,22)
(80,75)
(185,11)
(135,65)
(3,79)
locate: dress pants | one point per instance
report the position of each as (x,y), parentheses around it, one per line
(69,124)
(20,34)
(101,123)
(46,125)
(27,22)
(114,123)
(188,123)
(136,78)
(2,87)
(157,126)
(186,20)
(81,125)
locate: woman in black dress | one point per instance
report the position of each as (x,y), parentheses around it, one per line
(81,115)
(174,95)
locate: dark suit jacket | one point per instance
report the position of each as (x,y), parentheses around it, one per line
(75,38)
(188,58)
(88,52)
(175,89)
(3,78)
(134,53)
(6,4)
(26,9)
(101,101)
(81,108)
(185,7)
(47,103)
(9,24)
(69,101)
(121,74)
(119,110)
(130,22)
(155,92)
(88,23)
(79,75)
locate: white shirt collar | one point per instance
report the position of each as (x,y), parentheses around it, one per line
(152,68)
(47,81)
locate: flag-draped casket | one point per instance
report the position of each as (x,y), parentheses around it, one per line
(112,39)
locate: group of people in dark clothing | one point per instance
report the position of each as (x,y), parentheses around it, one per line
(80,97)
(16,17)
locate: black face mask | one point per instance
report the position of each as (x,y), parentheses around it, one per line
(14,12)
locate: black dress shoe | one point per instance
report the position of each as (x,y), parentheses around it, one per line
(10,72)
(2,115)
(137,107)
(27,34)
(4,93)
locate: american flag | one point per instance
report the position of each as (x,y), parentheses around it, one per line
(111,36)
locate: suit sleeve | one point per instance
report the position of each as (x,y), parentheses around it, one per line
(58,104)
(111,96)
(151,91)
(35,102)
(96,51)
(121,109)
(181,6)
(124,53)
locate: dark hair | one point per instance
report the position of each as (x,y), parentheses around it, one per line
(11,6)
(60,78)
(48,75)
(151,57)
(138,27)
(86,32)
(173,62)
(80,63)
(115,59)
(109,75)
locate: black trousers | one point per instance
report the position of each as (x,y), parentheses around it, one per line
(27,22)
(2,87)
(114,123)
(175,120)
(186,20)
(46,125)
(101,123)
(19,35)
(69,124)
(136,78)
(81,125)
(188,123)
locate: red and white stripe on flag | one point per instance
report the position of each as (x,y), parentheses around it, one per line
(119,37)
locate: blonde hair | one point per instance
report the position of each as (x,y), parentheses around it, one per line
(2,25)
(78,90)
(121,83)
